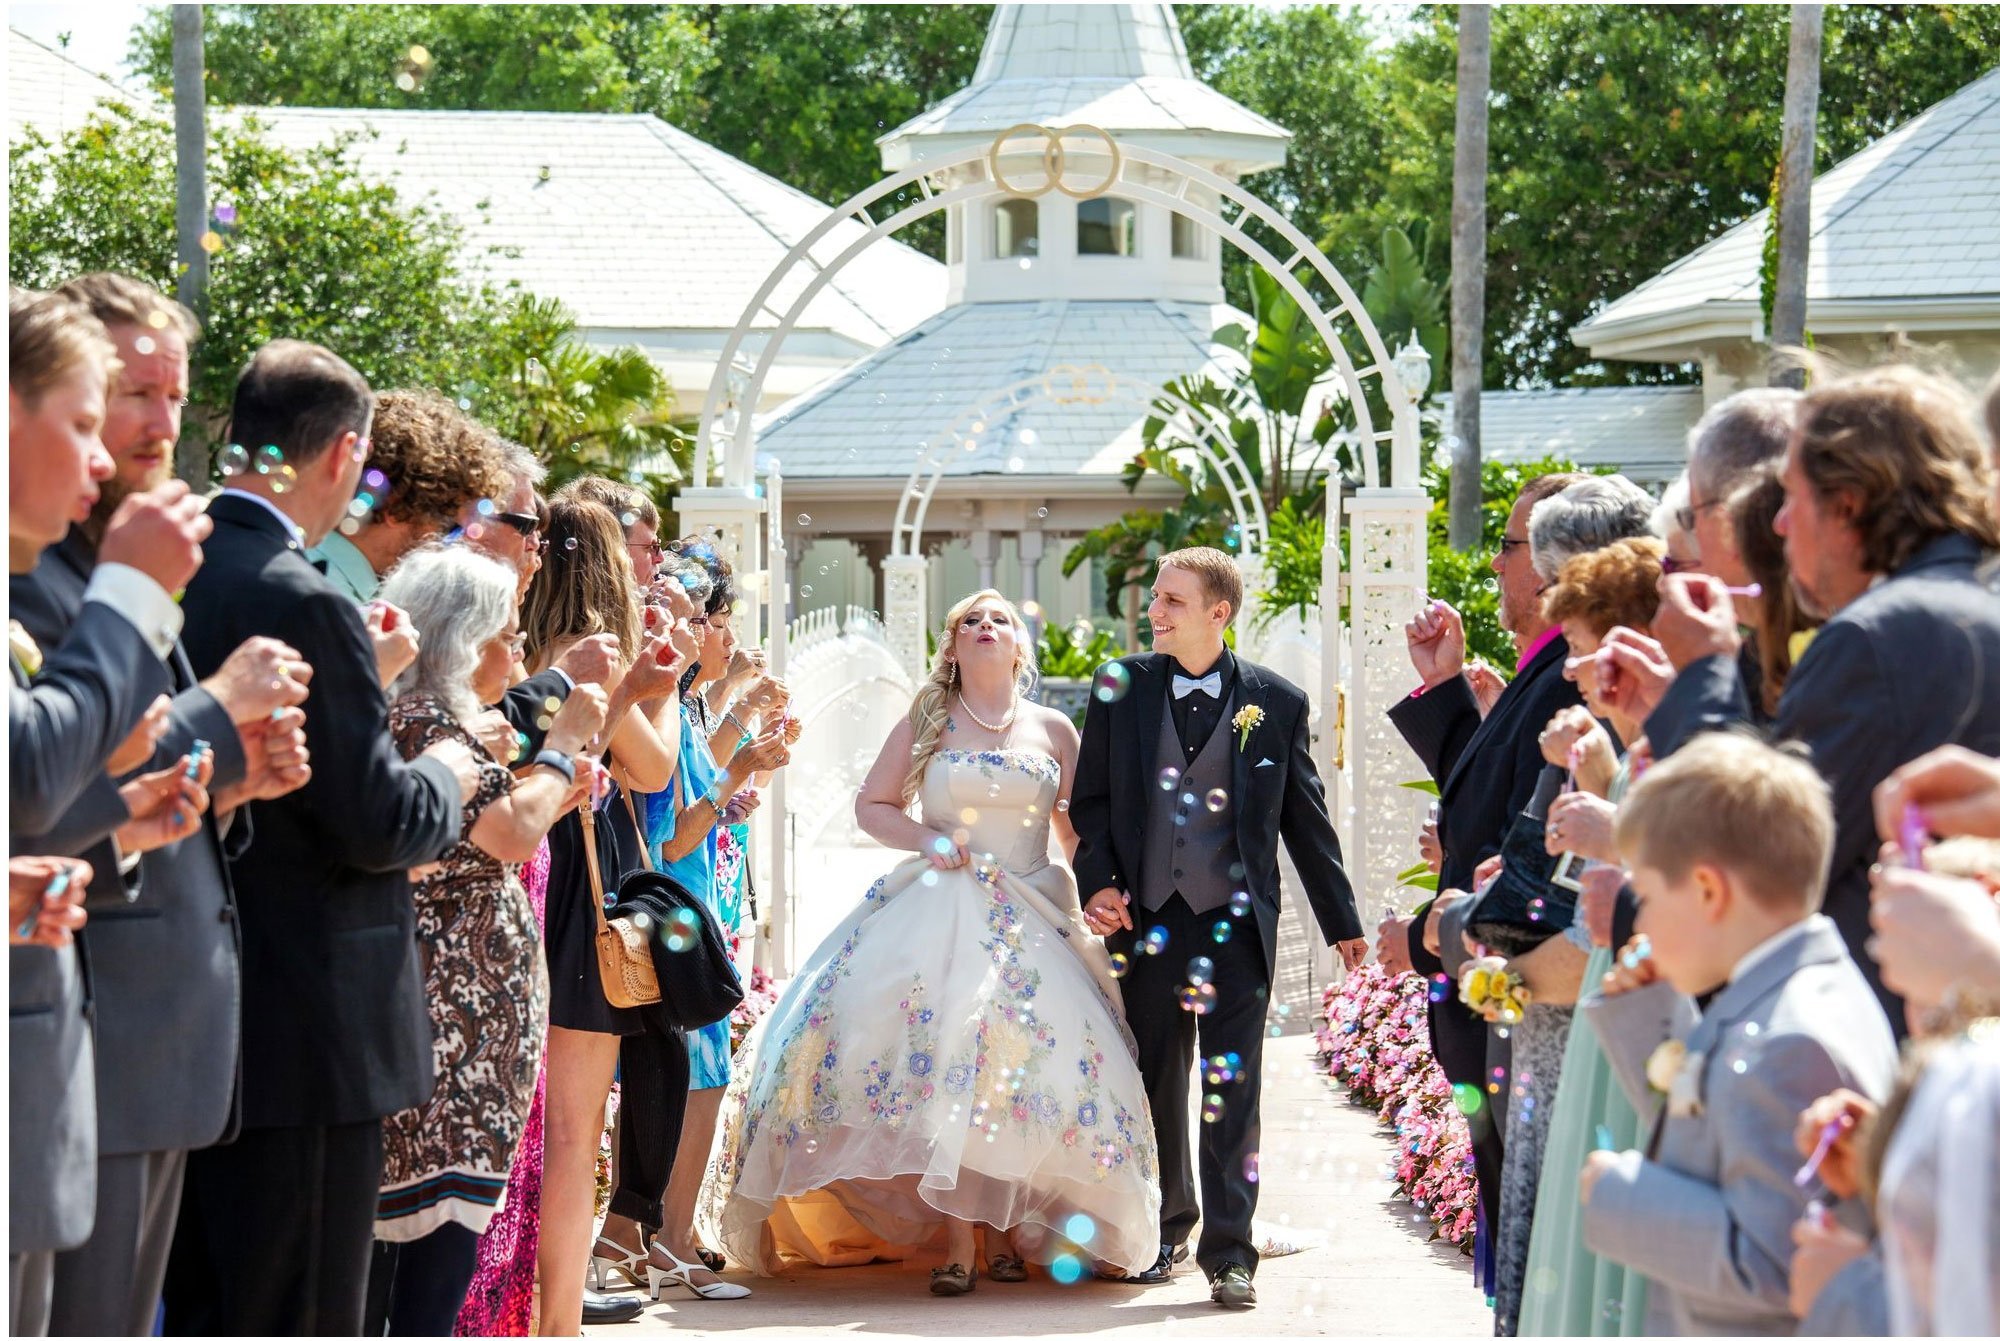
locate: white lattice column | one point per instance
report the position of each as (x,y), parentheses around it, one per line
(1334,759)
(727,518)
(905,601)
(1251,569)
(1386,584)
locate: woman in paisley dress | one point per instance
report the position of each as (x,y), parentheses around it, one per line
(445,1162)
(954,1055)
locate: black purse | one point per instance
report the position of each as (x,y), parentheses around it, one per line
(698,981)
(1525,904)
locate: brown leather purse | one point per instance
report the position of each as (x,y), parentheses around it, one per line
(624,953)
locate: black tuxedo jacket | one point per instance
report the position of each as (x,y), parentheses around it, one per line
(1274,793)
(1485,771)
(161,945)
(335,1028)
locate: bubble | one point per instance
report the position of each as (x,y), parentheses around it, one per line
(683,930)
(1535,909)
(812,1145)
(1217,801)
(1080,1229)
(1066,1269)
(225,215)
(1468,1098)
(283,479)
(1120,966)
(1170,778)
(1211,1108)
(805,519)
(941,845)
(349,527)
(1221,932)
(1250,1167)
(570,544)
(485,507)
(1111,683)
(375,480)
(232,460)
(1198,999)
(1239,903)
(805,591)
(211,242)
(822,570)
(145,344)
(1016,464)
(1041,513)
(1200,969)
(1156,940)
(269,457)
(1026,437)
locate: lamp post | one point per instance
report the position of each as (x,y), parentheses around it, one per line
(1412,367)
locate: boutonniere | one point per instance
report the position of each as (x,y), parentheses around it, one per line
(1493,991)
(23,647)
(1245,721)
(1675,1072)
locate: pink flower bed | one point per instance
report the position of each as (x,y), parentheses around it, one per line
(760,993)
(1374,1040)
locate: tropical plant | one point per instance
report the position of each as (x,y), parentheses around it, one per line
(582,410)
(1075,653)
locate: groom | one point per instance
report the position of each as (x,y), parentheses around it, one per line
(1184,784)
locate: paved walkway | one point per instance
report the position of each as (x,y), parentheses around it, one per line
(1323,1172)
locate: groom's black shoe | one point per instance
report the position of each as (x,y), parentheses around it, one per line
(1161,1271)
(1231,1287)
(599,1309)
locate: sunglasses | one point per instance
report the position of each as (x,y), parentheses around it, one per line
(527,523)
(652,547)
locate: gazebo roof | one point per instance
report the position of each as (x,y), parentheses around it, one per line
(1905,232)
(1121,68)
(872,421)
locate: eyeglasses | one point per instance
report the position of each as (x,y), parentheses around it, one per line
(1684,516)
(527,523)
(652,547)
(698,622)
(1508,543)
(517,643)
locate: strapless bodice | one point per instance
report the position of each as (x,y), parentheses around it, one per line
(1000,799)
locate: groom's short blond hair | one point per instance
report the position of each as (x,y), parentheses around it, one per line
(1216,571)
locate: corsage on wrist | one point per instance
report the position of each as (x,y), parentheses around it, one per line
(1493,991)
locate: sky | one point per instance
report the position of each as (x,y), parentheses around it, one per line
(97,29)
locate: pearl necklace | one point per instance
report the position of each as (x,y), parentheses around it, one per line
(1006,721)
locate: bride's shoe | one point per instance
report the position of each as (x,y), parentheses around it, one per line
(682,1273)
(953,1279)
(608,1258)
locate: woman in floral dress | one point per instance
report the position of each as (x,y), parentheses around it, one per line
(954,1054)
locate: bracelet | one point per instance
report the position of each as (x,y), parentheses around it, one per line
(560,762)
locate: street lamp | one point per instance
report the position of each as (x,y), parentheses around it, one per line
(1412,367)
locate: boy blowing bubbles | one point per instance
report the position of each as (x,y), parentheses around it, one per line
(1728,843)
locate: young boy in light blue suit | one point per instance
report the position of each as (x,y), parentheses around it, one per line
(1728,843)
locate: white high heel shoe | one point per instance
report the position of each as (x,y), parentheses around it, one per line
(682,1274)
(627,1264)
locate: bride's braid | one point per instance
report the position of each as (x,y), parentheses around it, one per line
(927,710)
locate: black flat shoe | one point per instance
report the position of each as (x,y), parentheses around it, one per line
(1231,1287)
(713,1261)
(599,1309)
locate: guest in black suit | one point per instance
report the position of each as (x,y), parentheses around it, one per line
(1886,523)
(1485,769)
(1168,859)
(275,1230)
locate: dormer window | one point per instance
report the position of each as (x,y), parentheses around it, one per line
(1106,226)
(1017,229)
(1187,238)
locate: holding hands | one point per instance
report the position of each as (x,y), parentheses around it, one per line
(1107,911)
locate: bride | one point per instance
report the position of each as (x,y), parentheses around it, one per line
(954,1055)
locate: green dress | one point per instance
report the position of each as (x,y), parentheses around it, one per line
(1571,1291)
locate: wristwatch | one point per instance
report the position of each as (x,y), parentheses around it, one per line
(559,761)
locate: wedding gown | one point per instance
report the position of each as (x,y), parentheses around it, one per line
(956,1047)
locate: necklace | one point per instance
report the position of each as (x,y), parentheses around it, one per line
(1006,719)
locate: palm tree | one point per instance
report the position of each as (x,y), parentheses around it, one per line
(583,410)
(1468,268)
(190,188)
(1794,203)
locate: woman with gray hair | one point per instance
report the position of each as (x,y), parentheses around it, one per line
(445,1162)
(1589,515)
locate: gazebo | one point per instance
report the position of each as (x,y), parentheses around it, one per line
(1060,311)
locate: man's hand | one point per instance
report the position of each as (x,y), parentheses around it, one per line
(1595,1166)
(654,673)
(1392,945)
(276,760)
(261,676)
(1696,619)
(1437,643)
(137,749)
(52,919)
(592,660)
(1633,673)
(458,757)
(1108,911)
(1431,932)
(1840,1168)
(1823,1250)
(497,736)
(1599,901)
(1580,823)
(1353,953)
(1931,931)
(1487,686)
(579,719)
(158,532)
(1428,846)
(1486,872)
(164,806)
(395,637)
(1956,791)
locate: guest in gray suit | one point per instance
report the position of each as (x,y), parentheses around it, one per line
(1728,843)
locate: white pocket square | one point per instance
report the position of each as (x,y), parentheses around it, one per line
(1266,763)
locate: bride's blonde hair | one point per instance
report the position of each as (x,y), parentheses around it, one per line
(927,712)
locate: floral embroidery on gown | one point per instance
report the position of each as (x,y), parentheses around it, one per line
(956,1046)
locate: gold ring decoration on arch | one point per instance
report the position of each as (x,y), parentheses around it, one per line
(1078,390)
(1054,160)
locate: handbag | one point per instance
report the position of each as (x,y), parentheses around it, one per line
(624,954)
(1525,905)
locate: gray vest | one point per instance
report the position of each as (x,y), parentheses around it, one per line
(1191,850)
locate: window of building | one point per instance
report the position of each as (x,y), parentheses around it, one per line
(1187,238)
(1106,226)
(1017,229)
